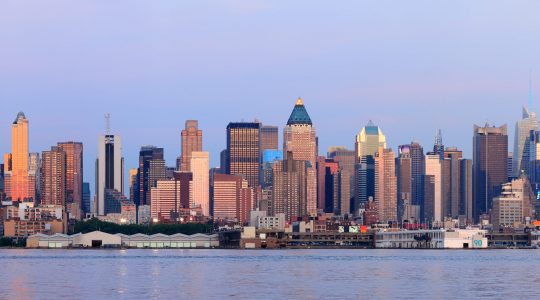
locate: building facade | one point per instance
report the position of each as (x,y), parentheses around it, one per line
(490,153)
(300,141)
(191,142)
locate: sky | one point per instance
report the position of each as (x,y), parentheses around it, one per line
(410,66)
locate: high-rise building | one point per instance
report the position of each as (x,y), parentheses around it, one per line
(19,184)
(451,182)
(191,142)
(233,198)
(490,154)
(243,151)
(151,168)
(109,170)
(200,168)
(86,198)
(186,188)
(290,188)
(433,193)
(269,138)
(74,171)
(300,141)
(521,154)
(330,186)
(385,185)
(34,173)
(53,177)
(166,200)
(346,159)
(368,142)
(417,174)
(269,157)
(404,180)
(513,207)
(132,183)
(466,189)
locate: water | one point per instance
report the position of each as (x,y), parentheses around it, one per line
(269,274)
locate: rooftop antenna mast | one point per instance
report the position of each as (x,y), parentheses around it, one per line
(530,91)
(108,123)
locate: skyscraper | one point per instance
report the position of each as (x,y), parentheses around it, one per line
(385,185)
(34,174)
(151,168)
(466,189)
(300,141)
(269,138)
(200,168)
(368,142)
(53,177)
(521,154)
(86,198)
(290,188)
(243,151)
(404,180)
(490,152)
(233,198)
(433,193)
(346,160)
(165,203)
(109,169)
(19,184)
(417,174)
(191,141)
(451,182)
(74,171)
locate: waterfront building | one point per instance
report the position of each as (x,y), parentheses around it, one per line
(243,155)
(200,167)
(490,154)
(513,208)
(521,154)
(109,169)
(385,185)
(191,142)
(300,141)
(18,182)
(53,177)
(368,142)
(27,219)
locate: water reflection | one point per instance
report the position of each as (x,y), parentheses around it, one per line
(274,274)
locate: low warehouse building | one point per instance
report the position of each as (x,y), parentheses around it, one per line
(98,239)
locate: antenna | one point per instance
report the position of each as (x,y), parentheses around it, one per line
(108,123)
(530,91)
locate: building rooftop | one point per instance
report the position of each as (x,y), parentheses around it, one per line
(299,115)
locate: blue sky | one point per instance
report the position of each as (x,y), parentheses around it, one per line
(410,66)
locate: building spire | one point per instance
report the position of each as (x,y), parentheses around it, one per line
(299,101)
(108,123)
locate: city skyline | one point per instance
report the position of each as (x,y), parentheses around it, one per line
(400,75)
(170,158)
